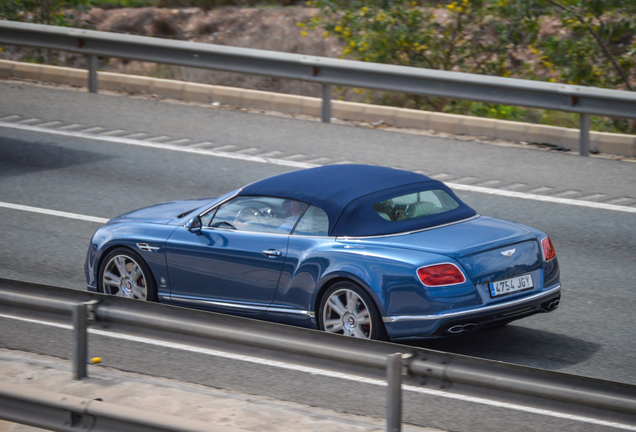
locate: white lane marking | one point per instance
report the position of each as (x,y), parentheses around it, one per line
(295,164)
(592,197)
(248,150)
(135,135)
(539,189)
(53,212)
(113,132)
(201,144)
(51,123)
(330,374)
(92,129)
(158,138)
(544,198)
(67,127)
(129,141)
(178,141)
(31,120)
(566,193)
(620,200)
(225,147)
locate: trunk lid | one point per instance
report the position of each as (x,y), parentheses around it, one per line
(477,245)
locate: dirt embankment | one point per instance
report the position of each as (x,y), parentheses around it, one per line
(260,28)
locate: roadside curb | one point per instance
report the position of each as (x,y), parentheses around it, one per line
(611,143)
(222,409)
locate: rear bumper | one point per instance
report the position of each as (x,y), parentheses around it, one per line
(449,323)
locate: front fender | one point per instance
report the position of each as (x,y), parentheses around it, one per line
(129,235)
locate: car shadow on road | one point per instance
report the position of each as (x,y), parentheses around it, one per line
(516,344)
(19,157)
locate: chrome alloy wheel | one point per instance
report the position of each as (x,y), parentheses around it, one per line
(123,277)
(347,314)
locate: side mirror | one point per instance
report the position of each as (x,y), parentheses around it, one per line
(194,225)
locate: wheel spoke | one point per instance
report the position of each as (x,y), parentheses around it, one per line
(135,273)
(138,292)
(352,300)
(111,279)
(333,326)
(336,305)
(363,318)
(121,266)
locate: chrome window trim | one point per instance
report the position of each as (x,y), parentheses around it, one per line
(409,232)
(556,288)
(243,306)
(313,236)
(245,231)
(220,203)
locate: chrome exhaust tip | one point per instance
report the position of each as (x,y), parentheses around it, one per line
(457,329)
(554,304)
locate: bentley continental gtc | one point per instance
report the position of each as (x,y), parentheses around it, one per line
(362,251)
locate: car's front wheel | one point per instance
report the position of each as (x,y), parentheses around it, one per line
(348,310)
(125,274)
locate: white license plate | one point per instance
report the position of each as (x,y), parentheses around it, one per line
(511,285)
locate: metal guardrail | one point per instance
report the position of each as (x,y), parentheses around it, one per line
(441,371)
(328,72)
(65,413)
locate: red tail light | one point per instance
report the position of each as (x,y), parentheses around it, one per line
(440,275)
(548,250)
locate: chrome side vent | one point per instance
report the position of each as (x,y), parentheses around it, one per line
(147,248)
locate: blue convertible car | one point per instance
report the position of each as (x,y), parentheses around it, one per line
(362,251)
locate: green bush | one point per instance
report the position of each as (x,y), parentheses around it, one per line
(594,45)
(52,12)
(401,32)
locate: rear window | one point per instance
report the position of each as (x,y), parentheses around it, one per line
(416,205)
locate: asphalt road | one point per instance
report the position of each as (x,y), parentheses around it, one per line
(590,334)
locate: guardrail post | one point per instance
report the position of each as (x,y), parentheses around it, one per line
(394,395)
(584,130)
(81,313)
(80,340)
(92,74)
(326,103)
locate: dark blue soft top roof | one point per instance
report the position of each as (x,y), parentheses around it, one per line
(347,193)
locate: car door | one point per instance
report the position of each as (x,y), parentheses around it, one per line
(235,262)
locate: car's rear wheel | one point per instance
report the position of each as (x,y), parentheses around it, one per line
(125,274)
(348,310)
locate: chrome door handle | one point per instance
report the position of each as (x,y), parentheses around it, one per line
(272,253)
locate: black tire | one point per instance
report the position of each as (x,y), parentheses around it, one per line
(136,282)
(351,324)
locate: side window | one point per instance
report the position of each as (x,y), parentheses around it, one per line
(207,218)
(314,222)
(255,213)
(415,205)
